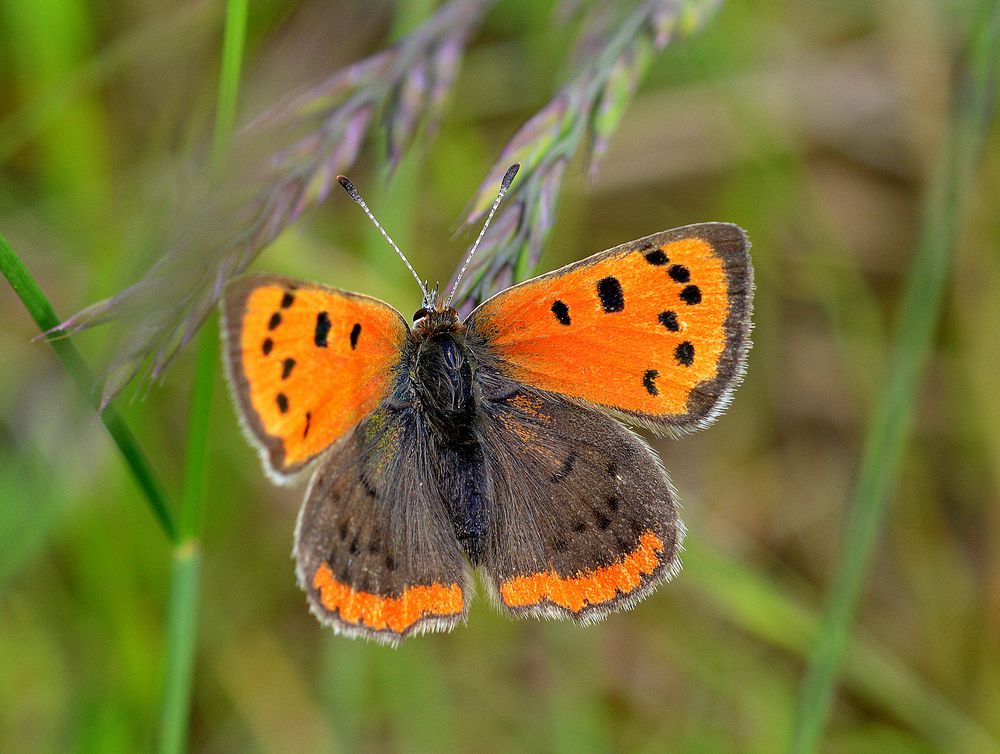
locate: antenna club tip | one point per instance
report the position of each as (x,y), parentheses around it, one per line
(508,177)
(346,183)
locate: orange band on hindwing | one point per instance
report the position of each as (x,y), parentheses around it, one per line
(589,588)
(396,614)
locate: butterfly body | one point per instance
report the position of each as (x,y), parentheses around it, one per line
(493,442)
(437,389)
(441,376)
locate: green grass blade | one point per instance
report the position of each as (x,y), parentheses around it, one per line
(182,620)
(182,624)
(192,494)
(229,80)
(182,632)
(41,311)
(892,420)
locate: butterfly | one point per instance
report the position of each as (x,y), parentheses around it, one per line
(497,441)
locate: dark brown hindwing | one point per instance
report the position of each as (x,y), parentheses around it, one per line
(376,551)
(582,519)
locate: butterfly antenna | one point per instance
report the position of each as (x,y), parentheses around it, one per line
(508,178)
(353,193)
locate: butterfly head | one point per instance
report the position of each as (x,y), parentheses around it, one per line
(434,318)
(434,314)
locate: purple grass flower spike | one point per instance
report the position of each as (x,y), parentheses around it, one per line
(281,164)
(284,161)
(614,54)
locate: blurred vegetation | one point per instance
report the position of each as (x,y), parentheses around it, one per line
(851,140)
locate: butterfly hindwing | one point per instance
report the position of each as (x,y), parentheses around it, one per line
(306,363)
(654,331)
(582,519)
(375,549)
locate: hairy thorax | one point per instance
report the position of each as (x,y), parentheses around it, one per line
(442,370)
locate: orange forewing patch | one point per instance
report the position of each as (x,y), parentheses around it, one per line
(639,344)
(313,362)
(588,588)
(396,614)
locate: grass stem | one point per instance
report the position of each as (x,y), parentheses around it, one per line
(891,421)
(182,632)
(182,620)
(233,42)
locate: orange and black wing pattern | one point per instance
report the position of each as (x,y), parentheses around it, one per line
(306,364)
(655,331)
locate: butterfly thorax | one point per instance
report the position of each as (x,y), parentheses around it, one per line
(441,371)
(441,374)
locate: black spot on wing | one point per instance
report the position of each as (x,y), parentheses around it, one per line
(266,346)
(649,381)
(282,401)
(669,320)
(609,290)
(274,321)
(561,311)
(309,417)
(657,257)
(355,333)
(567,467)
(287,300)
(322,329)
(286,368)
(679,273)
(684,353)
(691,295)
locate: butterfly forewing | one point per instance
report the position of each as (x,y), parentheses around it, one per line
(306,363)
(655,330)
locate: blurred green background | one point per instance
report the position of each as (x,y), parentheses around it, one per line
(817,126)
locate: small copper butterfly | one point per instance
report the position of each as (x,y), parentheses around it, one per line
(493,442)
